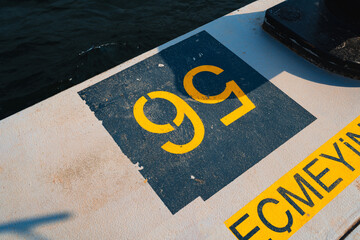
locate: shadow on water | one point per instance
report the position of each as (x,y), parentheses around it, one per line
(26,227)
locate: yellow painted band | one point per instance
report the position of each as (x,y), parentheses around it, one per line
(284,207)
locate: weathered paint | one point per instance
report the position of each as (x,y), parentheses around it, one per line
(62,174)
(221,152)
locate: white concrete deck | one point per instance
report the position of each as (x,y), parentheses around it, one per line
(64,177)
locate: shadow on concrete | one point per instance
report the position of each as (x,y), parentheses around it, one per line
(25,227)
(246,38)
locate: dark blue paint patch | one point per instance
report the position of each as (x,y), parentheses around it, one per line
(226,151)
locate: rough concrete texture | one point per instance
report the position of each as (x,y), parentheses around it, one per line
(63,176)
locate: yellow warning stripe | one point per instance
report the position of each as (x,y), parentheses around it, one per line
(295,198)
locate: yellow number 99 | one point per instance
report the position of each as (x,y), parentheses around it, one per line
(182,109)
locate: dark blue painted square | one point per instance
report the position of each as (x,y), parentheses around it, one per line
(226,151)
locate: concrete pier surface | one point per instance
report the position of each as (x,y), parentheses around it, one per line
(222,133)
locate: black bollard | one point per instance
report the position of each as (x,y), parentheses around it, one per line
(325,32)
(346,10)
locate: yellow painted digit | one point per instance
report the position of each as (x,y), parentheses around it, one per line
(231,87)
(182,109)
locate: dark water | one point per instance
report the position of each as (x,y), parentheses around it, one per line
(47,46)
